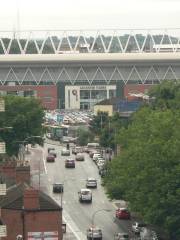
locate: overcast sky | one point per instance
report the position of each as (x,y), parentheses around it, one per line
(91,14)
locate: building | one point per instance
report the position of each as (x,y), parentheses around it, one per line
(26,211)
(124,107)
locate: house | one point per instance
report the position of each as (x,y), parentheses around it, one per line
(27,212)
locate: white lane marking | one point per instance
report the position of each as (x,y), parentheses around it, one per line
(71,224)
(44,161)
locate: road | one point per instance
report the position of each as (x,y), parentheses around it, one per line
(78,215)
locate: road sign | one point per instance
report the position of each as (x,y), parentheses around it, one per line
(2,147)
(2,105)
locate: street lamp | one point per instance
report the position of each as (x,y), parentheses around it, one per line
(93,218)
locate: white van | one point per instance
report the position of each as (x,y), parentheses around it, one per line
(85,195)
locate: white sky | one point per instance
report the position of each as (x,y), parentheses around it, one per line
(89,14)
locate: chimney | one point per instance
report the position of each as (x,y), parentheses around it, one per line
(31,199)
(23,174)
(8,169)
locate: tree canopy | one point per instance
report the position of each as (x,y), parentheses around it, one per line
(25,116)
(147,173)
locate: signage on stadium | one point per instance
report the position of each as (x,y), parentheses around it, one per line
(97,87)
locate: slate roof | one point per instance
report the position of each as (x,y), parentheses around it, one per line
(14,199)
(5,179)
(109,101)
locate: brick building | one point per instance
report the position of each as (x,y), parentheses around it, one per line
(28,212)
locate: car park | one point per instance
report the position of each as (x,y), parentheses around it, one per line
(50,158)
(121,236)
(85,195)
(94,233)
(137,226)
(65,152)
(91,183)
(123,213)
(70,163)
(79,157)
(58,188)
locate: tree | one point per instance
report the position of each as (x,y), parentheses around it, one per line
(84,136)
(147,173)
(25,116)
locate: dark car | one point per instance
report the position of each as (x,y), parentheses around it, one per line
(50,158)
(58,188)
(70,163)
(123,213)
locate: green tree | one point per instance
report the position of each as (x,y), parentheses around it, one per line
(25,116)
(84,136)
(147,174)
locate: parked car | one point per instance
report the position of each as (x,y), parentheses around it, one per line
(121,236)
(94,233)
(79,157)
(92,152)
(65,152)
(50,148)
(91,183)
(85,195)
(96,156)
(123,213)
(50,158)
(58,187)
(70,163)
(101,163)
(137,226)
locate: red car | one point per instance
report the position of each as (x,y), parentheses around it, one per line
(123,213)
(50,158)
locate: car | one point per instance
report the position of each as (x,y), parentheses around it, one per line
(79,157)
(96,156)
(121,236)
(136,226)
(98,159)
(65,152)
(85,195)
(50,148)
(70,163)
(92,152)
(58,188)
(91,183)
(123,213)
(52,151)
(101,163)
(94,233)
(50,158)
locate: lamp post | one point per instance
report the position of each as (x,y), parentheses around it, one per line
(93,218)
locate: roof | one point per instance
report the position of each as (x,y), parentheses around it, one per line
(91,57)
(5,179)
(14,199)
(109,101)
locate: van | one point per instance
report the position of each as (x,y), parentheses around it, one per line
(93,145)
(85,195)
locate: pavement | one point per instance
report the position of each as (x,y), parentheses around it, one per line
(38,169)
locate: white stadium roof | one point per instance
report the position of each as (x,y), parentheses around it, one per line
(91,57)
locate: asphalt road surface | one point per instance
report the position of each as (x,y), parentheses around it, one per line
(78,215)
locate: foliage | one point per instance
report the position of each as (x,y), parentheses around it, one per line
(25,116)
(84,136)
(98,122)
(147,173)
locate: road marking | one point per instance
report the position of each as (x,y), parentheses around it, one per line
(71,224)
(44,162)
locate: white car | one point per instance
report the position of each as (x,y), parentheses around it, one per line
(121,236)
(65,152)
(136,227)
(85,195)
(91,183)
(94,233)
(96,156)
